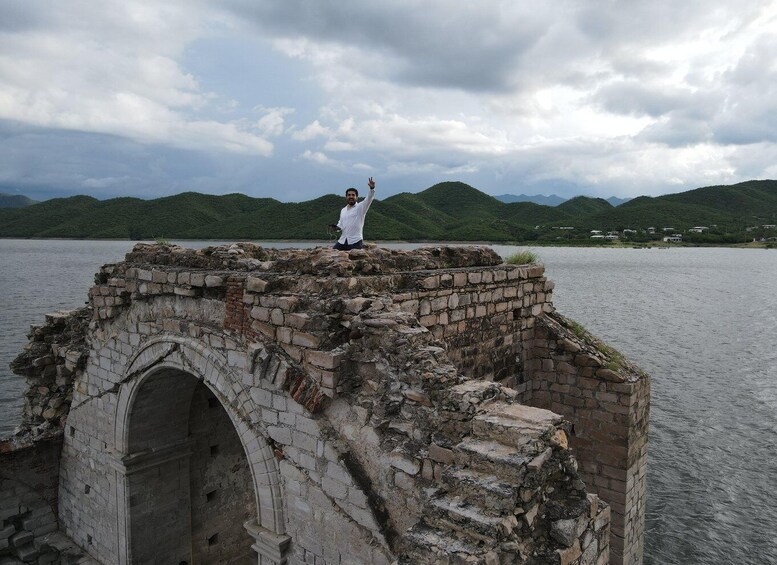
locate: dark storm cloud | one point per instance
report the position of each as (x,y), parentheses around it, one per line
(497,93)
(436,44)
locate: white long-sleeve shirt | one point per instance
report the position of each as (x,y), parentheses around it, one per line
(352,220)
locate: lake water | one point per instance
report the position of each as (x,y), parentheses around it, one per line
(702,322)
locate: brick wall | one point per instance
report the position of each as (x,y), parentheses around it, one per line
(28,499)
(608,400)
(480,315)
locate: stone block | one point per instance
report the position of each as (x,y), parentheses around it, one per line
(334,488)
(181,291)
(27,553)
(276,316)
(460,279)
(324,359)
(299,320)
(417,396)
(610,375)
(197,279)
(21,538)
(144,275)
(280,434)
(305,339)
(457,315)
(404,481)
(260,313)
(569,555)
(564,531)
(255,284)
(428,321)
(7,532)
(284,335)
(439,303)
(45,528)
(536,463)
(440,454)
(158,276)
(303,441)
(603,519)
(405,463)
(336,471)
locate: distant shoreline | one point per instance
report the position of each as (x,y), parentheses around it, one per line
(607,245)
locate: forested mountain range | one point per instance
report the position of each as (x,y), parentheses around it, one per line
(450,211)
(552,200)
(15,200)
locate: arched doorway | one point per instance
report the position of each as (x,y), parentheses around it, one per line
(188,485)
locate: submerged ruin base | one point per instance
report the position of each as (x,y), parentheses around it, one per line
(240,404)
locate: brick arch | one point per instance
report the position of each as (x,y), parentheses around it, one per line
(194,358)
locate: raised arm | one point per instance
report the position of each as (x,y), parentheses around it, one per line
(370,195)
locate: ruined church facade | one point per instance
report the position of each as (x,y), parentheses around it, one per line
(244,405)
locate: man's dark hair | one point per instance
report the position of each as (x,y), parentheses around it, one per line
(351,189)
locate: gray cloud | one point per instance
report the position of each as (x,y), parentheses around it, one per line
(463,46)
(633,98)
(637,96)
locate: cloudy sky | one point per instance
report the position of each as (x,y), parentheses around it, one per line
(294,99)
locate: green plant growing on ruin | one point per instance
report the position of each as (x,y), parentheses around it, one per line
(162,240)
(615,359)
(523,257)
(577,329)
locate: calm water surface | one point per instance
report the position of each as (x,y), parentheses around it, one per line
(702,322)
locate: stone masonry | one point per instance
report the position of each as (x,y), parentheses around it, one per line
(240,404)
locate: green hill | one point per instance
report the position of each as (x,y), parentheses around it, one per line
(15,200)
(460,200)
(585,206)
(755,199)
(44,219)
(654,213)
(446,211)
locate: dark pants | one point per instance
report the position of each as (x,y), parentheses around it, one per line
(348,246)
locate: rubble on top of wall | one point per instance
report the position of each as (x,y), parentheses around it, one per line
(605,361)
(319,260)
(56,352)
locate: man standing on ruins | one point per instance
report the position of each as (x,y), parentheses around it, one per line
(351,223)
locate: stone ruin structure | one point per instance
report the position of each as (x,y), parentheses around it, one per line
(240,405)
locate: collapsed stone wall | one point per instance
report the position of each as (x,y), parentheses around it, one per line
(29,460)
(354,372)
(482,478)
(608,399)
(56,352)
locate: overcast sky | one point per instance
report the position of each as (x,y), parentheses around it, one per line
(293,99)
